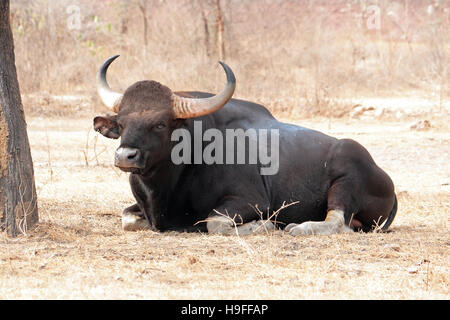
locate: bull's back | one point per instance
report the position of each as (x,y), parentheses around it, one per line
(301,177)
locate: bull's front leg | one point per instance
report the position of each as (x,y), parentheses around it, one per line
(228,226)
(133,219)
(236,217)
(148,212)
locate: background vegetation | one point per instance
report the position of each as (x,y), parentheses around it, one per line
(298,57)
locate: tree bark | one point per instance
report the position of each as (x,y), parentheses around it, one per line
(205,27)
(143,8)
(220,31)
(18,203)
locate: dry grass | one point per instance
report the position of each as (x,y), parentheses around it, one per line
(79,250)
(300,58)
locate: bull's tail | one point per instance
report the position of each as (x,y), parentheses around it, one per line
(391,215)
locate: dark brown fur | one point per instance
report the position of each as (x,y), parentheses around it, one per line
(146,96)
(319,172)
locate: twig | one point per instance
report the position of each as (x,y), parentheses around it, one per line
(275,214)
(49,159)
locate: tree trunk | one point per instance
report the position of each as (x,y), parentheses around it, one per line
(143,8)
(18,204)
(220,31)
(205,27)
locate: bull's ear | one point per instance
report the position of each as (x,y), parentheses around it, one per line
(107,126)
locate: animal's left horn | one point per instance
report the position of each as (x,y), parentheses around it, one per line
(191,107)
(110,98)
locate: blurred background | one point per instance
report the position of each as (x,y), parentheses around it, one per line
(300,58)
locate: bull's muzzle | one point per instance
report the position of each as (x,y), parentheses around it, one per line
(128,159)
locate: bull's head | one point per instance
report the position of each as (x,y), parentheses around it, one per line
(145,116)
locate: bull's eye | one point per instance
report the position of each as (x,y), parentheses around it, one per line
(160,126)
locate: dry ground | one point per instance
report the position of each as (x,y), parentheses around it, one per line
(79,250)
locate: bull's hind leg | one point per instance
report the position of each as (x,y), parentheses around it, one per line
(341,202)
(361,194)
(334,223)
(133,219)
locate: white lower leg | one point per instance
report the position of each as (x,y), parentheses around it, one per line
(132,222)
(334,223)
(226,226)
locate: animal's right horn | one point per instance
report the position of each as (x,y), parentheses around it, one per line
(110,98)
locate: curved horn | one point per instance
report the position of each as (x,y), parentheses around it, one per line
(110,98)
(190,107)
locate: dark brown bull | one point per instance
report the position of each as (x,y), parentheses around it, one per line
(333,185)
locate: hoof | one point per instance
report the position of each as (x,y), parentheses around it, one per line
(313,227)
(132,222)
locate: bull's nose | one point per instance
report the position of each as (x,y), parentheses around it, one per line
(127,157)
